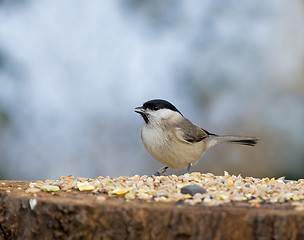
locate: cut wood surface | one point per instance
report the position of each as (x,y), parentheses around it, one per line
(85,215)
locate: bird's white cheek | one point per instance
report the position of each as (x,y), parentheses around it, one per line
(162,114)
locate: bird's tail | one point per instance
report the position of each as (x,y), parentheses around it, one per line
(243,140)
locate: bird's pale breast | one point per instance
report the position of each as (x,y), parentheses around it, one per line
(169,150)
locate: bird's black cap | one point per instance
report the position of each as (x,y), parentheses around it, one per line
(156,104)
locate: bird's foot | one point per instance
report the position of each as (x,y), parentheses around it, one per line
(161,171)
(188,168)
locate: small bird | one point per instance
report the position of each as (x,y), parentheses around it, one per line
(175,141)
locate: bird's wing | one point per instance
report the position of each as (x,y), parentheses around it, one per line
(190,133)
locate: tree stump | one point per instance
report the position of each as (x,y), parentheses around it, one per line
(84,215)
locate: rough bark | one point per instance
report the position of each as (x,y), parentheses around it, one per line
(81,215)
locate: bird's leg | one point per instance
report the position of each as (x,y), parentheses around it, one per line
(188,168)
(161,171)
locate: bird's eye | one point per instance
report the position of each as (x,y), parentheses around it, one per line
(155,108)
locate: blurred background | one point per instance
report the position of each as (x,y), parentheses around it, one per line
(72,72)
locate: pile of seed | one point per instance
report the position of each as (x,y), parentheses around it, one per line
(193,188)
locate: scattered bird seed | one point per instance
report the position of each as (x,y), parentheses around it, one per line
(193,188)
(49,188)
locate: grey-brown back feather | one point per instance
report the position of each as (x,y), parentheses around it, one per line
(190,132)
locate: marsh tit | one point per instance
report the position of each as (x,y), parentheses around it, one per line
(175,141)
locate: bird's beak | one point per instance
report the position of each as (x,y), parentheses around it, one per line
(140,110)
